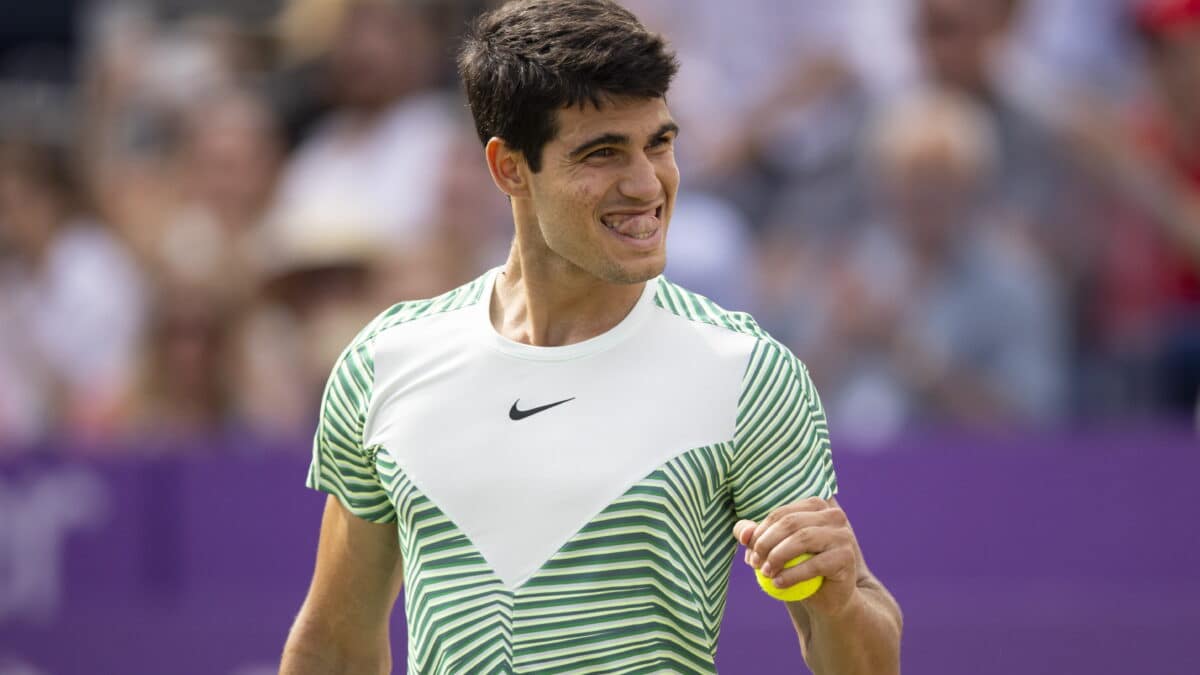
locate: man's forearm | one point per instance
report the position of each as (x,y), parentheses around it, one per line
(312,652)
(863,639)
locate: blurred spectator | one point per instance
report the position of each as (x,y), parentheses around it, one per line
(225,174)
(71,303)
(273,386)
(379,151)
(962,44)
(371,208)
(935,257)
(1172,33)
(771,139)
(775,111)
(142,79)
(1068,48)
(1144,312)
(184,388)
(470,229)
(937,316)
(329,268)
(319,278)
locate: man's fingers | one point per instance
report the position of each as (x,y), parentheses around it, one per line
(743,530)
(812,540)
(834,564)
(810,504)
(767,537)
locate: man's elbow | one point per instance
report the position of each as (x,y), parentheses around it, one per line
(314,646)
(886,603)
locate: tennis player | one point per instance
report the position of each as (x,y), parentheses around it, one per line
(559,459)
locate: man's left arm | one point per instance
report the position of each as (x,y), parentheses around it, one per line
(852,624)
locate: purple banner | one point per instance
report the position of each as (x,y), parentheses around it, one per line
(1064,555)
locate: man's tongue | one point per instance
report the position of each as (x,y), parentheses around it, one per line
(631,225)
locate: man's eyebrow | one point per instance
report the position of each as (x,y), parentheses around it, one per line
(664,130)
(620,139)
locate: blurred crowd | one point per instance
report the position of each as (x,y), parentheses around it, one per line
(958,213)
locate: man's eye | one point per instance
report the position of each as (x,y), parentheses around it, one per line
(602,153)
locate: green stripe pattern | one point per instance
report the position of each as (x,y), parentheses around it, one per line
(782,439)
(641,587)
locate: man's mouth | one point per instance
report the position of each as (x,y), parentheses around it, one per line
(634,224)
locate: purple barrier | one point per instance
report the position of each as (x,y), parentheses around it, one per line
(1052,556)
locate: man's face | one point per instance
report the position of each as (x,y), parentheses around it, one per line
(606,189)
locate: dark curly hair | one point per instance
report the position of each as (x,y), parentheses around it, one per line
(523,62)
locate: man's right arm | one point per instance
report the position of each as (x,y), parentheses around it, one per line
(343,625)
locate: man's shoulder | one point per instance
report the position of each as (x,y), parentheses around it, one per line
(699,309)
(764,349)
(411,311)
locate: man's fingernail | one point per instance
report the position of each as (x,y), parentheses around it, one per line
(766,570)
(778,581)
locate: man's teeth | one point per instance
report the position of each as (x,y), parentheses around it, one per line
(637,235)
(613,223)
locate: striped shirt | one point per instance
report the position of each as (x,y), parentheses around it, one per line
(568,509)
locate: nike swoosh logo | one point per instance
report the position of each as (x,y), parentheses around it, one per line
(515,413)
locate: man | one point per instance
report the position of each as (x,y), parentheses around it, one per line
(554,456)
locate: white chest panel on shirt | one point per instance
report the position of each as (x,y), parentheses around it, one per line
(615,408)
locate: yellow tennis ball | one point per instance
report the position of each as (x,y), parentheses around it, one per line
(792,593)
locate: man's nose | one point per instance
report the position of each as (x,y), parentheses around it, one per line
(641,182)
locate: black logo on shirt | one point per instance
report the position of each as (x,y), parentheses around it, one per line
(515,413)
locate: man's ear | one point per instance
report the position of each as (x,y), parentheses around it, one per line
(508,168)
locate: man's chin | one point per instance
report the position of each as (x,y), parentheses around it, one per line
(636,273)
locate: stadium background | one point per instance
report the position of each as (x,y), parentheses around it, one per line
(978,222)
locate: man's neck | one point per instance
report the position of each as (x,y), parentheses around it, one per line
(542,300)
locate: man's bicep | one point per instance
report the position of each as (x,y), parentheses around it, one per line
(359,571)
(782,450)
(343,462)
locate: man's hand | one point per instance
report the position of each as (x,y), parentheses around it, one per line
(852,624)
(815,526)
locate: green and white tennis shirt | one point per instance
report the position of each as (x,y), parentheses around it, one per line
(568,509)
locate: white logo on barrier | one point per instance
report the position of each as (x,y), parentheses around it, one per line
(37,514)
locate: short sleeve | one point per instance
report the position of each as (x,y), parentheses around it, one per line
(341,466)
(781,444)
